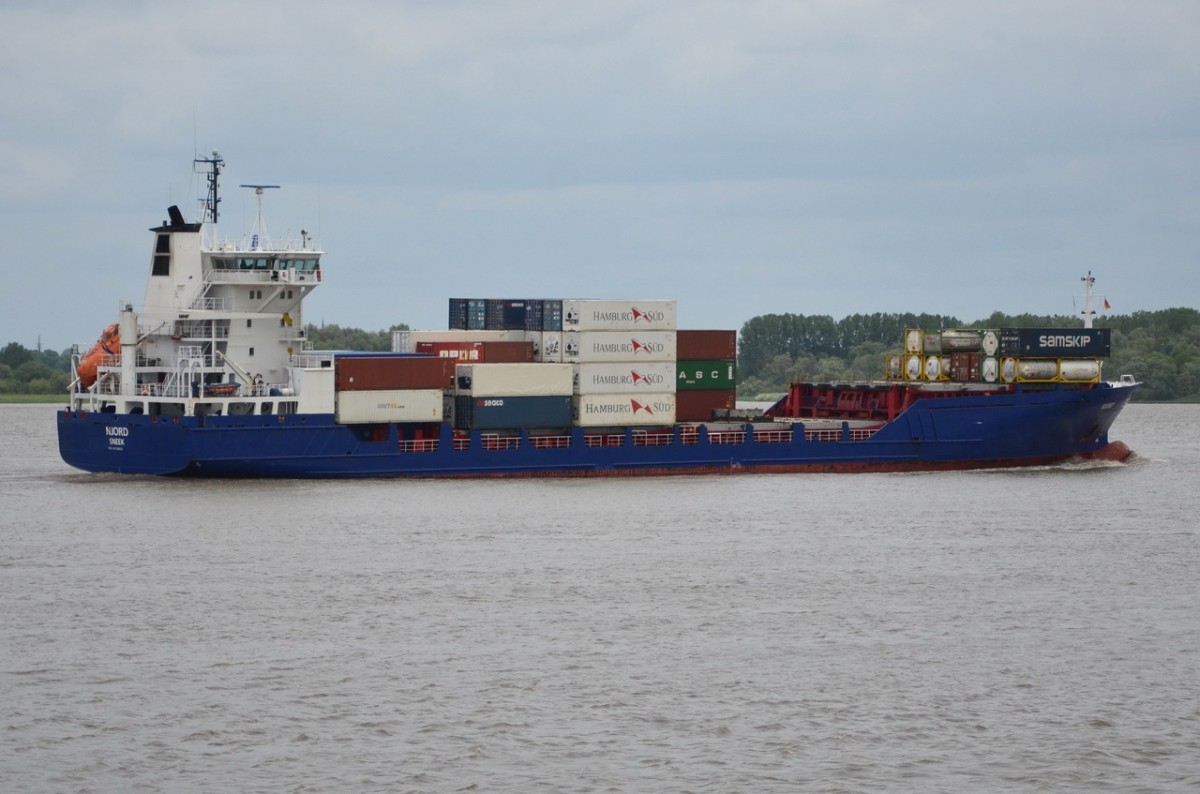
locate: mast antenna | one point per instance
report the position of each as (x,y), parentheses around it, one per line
(214,164)
(1089,282)
(260,225)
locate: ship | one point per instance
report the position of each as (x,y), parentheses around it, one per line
(213,376)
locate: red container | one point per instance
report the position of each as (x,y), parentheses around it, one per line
(480,352)
(964,367)
(699,406)
(380,373)
(694,345)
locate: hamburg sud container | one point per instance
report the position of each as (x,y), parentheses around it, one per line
(624,410)
(705,375)
(514,380)
(619,315)
(591,346)
(634,377)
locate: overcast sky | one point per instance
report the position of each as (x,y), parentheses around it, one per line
(815,157)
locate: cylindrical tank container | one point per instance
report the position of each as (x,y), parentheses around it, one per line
(391,405)
(646,377)
(390,372)
(623,410)
(1008,370)
(1079,370)
(1036,370)
(700,406)
(914,367)
(511,413)
(695,345)
(589,346)
(933,368)
(989,369)
(961,341)
(894,366)
(619,315)
(914,340)
(503,380)
(990,343)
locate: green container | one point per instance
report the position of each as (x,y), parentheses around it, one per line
(712,374)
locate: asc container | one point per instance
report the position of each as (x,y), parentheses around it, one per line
(703,406)
(705,345)
(624,378)
(624,410)
(503,380)
(619,315)
(390,405)
(512,413)
(480,352)
(705,375)
(386,372)
(1056,342)
(589,346)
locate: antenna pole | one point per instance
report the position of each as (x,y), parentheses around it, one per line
(214,164)
(1089,282)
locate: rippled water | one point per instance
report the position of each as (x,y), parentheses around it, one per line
(1033,630)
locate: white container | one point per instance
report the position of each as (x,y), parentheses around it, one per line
(586,347)
(400,405)
(624,410)
(624,378)
(406,341)
(1079,371)
(514,380)
(547,345)
(619,315)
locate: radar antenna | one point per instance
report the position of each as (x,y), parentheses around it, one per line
(260,225)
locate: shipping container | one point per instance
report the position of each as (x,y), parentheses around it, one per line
(480,352)
(1055,342)
(589,346)
(512,413)
(503,314)
(964,367)
(390,405)
(552,315)
(932,342)
(624,378)
(702,406)
(618,410)
(619,315)
(695,345)
(989,369)
(990,343)
(894,366)
(388,372)
(705,375)
(936,367)
(914,367)
(407,341)
(502,380)
(533,315)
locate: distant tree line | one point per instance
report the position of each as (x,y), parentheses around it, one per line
(1160,348)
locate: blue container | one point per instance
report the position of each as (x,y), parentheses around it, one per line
(512,413)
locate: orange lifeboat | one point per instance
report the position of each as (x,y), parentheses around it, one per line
(108,345)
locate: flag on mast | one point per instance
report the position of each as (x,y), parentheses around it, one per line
(1106,304)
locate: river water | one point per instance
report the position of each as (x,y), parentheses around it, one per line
(1031,630)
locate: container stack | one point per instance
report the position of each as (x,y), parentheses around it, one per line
(705,374)
(623,354)
(384,388)
(539,322)
(1009,355)
(509,396)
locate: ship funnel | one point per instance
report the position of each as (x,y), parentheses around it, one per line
(175,215)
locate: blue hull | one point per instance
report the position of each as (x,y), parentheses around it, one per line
(1023,427)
